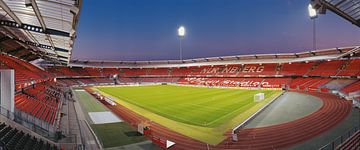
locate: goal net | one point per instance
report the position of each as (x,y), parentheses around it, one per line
(259,97)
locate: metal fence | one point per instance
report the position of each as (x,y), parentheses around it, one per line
(32,123)
(339,140)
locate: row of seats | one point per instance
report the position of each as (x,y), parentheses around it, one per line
(36,108)
(352,143)
(352,87)
(13,139)
(304,84)
(41,101)
(25,73)
(323,68)
(237,82)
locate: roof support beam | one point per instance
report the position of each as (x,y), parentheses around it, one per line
(337,11)
(41,45)
(35,7)
(33,4)
(33,28)
(10,12)
(339,3)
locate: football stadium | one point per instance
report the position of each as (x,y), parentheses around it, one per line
(181,75)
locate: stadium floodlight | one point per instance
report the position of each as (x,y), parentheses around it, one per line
(313,15)
(181,34)
(181,31)
(312,12)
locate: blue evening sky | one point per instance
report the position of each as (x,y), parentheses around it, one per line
(146,29)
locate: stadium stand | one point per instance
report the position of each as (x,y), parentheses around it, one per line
(351,143)
(326,68)
(179,72)
(25,73)
(218,75)
(350,68)
(354,87)
(14,139)
(296,69)
(41,101)
(38,95)
(338,84)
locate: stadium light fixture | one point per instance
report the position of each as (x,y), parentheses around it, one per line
(312,12)
(181,34)
(313,16)
(181,31)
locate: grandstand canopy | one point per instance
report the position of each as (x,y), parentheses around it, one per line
(32,29)
(307,56)
(348,9)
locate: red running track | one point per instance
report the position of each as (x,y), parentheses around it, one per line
(280,136)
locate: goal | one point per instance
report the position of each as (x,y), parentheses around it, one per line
(259,97)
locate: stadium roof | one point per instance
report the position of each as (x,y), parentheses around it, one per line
(32,29)
(318,55)
(348,9)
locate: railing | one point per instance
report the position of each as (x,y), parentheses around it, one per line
(30,122)
(339,140)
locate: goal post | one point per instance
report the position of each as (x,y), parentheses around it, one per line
(259,97)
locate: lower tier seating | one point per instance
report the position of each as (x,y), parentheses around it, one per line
(353,143)
(13,139)
(41,101)
(354,87)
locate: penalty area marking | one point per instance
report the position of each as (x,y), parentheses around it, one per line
(103,117)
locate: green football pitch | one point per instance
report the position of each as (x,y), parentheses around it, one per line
(202,113)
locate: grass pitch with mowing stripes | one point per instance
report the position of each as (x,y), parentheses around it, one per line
(202,113)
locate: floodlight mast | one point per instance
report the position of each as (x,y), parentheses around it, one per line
(181,34)
(313,16)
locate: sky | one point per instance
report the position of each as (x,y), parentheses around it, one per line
(147,29)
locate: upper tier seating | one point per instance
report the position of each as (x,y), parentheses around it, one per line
(326,68)
(246,75)
(350,68)
(94,71)
(298,69)
(134,72)
(25,73)
(254,69)
(157,72)
(183,71)
(234,70)
(110,71)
